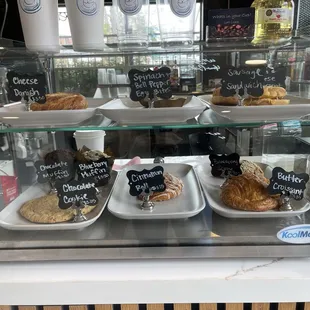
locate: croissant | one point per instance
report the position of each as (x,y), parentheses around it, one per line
(245,192)
(61,101)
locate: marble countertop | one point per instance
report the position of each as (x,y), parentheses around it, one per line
(155,281)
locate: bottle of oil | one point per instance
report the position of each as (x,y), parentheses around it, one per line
(273,21)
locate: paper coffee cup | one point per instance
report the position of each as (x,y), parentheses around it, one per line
(86,24)
(93,139)
(39,19)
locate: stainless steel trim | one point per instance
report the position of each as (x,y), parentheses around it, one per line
(154,253)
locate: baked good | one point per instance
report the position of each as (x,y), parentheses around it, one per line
(45,210)
(264,101)
(272,95)
(245,192)
(273,92)
(61,101)
(86,155)
(166,103)
(58,156)
(174,188)
(252,168)
(218,99)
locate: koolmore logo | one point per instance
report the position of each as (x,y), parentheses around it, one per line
(30,6)
(298,234)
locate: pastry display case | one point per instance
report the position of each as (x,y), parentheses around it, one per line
(220,169)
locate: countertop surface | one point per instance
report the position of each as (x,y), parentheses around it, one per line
(154,281)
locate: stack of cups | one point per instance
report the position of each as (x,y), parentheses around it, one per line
(131,19)
(39,19)
(86,24)
(176,22)
(93,139)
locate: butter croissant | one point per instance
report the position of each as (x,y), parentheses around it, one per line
(245,192)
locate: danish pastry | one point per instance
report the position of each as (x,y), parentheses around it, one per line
(174,188)
(61,101)
(245,192)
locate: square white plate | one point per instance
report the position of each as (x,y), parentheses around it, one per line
(188,204)
(127,112)
(15,115)
(211,187)
(11,219)
(297,108)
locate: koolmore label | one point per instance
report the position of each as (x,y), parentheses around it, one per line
(30,6)
(298,234)
(88,7)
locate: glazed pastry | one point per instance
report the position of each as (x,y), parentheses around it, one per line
(174,188)
(45,210)
(250,167)
(218,99)
(272,95)
(246,193)
(61,101)
(273,92)
(264,101)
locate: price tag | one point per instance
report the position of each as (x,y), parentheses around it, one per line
(150,83)
(27,86)
(288,183)
(98,171)
(78,192)
(61,171)
(225,166)
(146,181)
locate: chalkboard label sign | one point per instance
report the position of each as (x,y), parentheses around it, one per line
(288,183)
(98,171)
(78,192)
(241,80)
(275,76)
(251,80)
(61,171)
(225,166)
(146,181)
(150,83)
(27,86)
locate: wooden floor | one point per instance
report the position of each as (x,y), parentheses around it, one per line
(237,306)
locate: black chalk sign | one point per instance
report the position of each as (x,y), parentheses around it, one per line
(150,83)
(251,80)
(225,166)
(288,183)
(241,80)
(98,171)
(275,76)
(61,171)
(78,192)
(146,181)
(27,86)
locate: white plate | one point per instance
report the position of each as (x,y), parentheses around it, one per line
(188,204)
(124,111)
(12,220)
(211,188)
(14,114)
(297,108)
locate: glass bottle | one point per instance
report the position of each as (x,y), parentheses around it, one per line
(273,21)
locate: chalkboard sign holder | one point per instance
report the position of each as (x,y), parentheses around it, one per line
(79,216)
(147,204)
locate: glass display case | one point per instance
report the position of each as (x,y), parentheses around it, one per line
(40,156)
